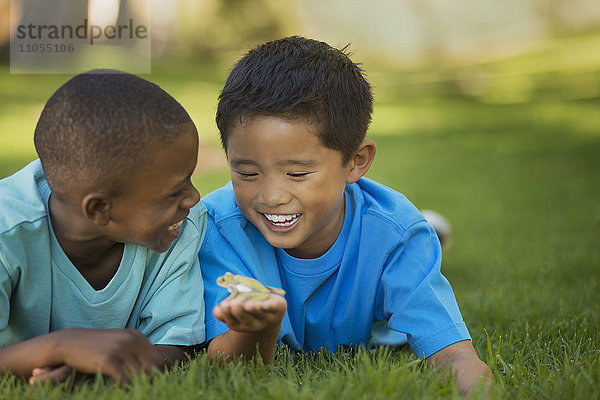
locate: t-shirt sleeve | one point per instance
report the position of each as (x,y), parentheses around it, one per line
(174,313)
(216,258)
(416,297)
(5,293)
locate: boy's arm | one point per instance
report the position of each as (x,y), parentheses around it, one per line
(173,355)
(420,301)
(111,352)
(251,324)
(243,344)
(465,365)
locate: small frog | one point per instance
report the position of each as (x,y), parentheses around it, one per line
(244,288)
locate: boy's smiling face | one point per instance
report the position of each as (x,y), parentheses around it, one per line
(288,184)
(159,196)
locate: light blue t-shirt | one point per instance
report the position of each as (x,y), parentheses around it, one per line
(382,275)
(41,291)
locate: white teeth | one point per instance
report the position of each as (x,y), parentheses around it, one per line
(174,226)
(282,219)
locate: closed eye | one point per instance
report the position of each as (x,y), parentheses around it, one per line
(246,175)
(298,174)
(177,193)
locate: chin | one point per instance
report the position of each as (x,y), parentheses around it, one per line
(160,247)
(281,243)
(288,240)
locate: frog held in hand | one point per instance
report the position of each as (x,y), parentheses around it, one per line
(244,288)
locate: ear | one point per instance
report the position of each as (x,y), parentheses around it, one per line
(361,162)
(97,207)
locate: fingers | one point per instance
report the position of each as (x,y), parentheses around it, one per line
(116,353)
(112,352)
(274,304)
(151,360)
(38,375)
(225,312)
(141,356)
(62,373)
(54,375)
(251,316)
(239,312)
(118,372)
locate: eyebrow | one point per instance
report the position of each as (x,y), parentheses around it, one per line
(301,163)
(239,163)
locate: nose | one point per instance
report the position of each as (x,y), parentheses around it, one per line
(192,198)
(273,196)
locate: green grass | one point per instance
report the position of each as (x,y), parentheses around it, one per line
(518,180)
(319,375)
(523,197)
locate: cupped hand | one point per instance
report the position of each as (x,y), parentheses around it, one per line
(252,316)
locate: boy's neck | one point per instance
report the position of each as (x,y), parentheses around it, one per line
(95,257)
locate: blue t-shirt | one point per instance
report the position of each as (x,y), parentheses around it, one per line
(41,291)
(382,271)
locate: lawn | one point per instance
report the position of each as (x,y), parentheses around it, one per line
(518,177)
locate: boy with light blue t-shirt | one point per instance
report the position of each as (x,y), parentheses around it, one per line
(99,239)
(358,261)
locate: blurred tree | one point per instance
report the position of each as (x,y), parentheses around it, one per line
(47,12)
(5,17)
(563,17)
(209,27)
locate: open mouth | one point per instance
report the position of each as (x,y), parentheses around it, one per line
(282,220)
(175,226)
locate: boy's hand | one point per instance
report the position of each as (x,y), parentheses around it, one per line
(171,355)
(112,352)
(469,369)
(250,323)
(252,316)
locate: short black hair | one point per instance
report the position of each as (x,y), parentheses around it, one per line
(296,77)
(98,126)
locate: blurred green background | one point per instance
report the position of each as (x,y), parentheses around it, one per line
(438,69)
(487,112)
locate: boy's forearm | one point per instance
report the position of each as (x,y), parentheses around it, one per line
(112,352)
(21,358)
(173,355)
(243,344)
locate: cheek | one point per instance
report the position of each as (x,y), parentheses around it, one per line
(243,194)
(324,202)
(156,220)
(152,230)
(323,191)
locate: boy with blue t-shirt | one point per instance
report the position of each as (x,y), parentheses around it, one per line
(358,261)
(99,238)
